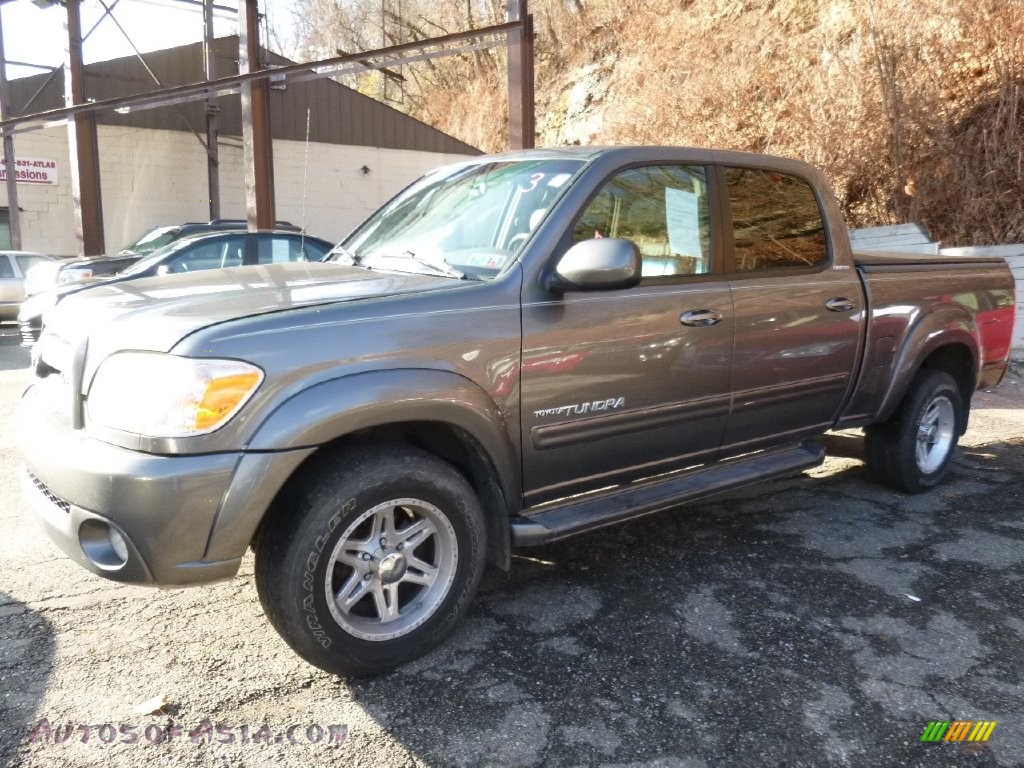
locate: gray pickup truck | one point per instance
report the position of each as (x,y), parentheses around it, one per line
(513,350)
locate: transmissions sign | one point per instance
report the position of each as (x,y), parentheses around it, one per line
(31,170)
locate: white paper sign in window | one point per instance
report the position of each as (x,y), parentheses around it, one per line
(682,214)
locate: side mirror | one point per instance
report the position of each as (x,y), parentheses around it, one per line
(602,264)
(163,269)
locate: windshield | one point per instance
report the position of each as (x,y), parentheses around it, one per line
(157,256)
(473,218)
(151,240)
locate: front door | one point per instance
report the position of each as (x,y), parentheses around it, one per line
(619,385)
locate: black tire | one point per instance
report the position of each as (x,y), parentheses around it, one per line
(912,450)
(318,538)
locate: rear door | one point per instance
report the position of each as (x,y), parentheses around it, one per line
(623,384)
(798,315)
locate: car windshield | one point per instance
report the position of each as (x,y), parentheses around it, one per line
(157,256)
(151,240)
(466,220)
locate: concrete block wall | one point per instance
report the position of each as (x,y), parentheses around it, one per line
(46,219)
(155,177)
(328,193)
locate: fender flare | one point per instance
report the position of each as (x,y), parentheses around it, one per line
(949,327)
(332,409)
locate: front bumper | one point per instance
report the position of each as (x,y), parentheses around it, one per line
(175,519)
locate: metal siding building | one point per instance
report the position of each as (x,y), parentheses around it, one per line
(153,165)
(339,115)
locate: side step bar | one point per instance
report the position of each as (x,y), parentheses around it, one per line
(656,496)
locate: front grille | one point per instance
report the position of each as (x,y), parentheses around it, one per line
(57,501)
(29,333)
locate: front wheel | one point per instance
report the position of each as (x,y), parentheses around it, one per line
(911,452)
(370,558)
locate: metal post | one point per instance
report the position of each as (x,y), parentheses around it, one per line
(256,141)
(82,143)
(13,212)
(520,77)
(212,109)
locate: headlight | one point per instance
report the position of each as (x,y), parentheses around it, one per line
(71,275)
(159,395)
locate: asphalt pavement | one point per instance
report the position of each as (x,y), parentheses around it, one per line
(813,621)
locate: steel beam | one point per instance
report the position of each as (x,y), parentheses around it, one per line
(257,150)
(13,211)
(391,56)
(82,143)
(521,127)
(212,111)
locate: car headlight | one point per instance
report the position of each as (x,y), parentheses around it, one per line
(72,275)
(159,395)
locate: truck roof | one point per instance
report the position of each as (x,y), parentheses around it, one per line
(629,154)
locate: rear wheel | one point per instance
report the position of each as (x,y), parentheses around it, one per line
(371,558)
(911,452)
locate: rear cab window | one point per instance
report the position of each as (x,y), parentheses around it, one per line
(776,221)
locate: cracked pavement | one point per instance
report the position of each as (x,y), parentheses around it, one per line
(813,621)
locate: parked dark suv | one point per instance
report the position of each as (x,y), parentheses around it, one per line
(158,237)
(185,254)
(94,267)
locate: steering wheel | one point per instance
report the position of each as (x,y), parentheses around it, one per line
(516,241)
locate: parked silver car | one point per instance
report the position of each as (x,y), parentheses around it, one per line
(14,266)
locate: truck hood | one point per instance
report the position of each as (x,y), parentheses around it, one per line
(154,313)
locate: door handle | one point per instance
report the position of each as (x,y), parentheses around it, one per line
(839,304)
(700,318)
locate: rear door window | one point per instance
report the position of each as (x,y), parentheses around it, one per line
(6,269)
(279,249)
(776,221)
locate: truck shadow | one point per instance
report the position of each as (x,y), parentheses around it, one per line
(840,614)
(26,660)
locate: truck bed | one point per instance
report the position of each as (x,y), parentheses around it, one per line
(914,298)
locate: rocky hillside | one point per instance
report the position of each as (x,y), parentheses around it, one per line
(914,108)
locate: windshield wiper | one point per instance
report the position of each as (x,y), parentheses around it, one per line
(347,257)
(438,267)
